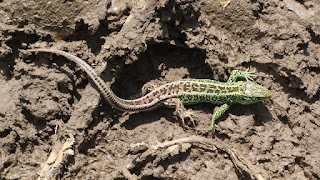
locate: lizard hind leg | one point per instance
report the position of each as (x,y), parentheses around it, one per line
(181,112)
(148,87)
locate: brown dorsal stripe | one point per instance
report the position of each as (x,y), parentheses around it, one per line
(137,102)
(195,87)
(187,87)
(202,88)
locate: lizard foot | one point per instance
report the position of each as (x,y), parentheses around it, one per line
(181,112)
(185,114)
(248,74)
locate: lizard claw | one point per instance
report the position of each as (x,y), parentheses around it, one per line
(248,74)
(183,115)
(214,127)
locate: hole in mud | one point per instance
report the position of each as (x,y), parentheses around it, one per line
(303,47)
(284,119)
(162,62)
(278,56)
(5,133)
(6,164)
(261,161)
(301,1)
(315,38)
(314,69)
(87,143)
(298,160)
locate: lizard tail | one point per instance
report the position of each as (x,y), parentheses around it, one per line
(105,89)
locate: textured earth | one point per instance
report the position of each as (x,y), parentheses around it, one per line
(55,124)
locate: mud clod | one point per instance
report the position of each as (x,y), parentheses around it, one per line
(46,98)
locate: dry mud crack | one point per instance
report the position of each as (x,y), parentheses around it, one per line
(55,124)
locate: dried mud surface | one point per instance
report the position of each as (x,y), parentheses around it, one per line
(47,100)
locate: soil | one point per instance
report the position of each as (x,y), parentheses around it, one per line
(55,124)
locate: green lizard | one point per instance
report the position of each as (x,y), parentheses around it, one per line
(181,92)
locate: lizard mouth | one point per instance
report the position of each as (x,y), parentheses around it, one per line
(265,93)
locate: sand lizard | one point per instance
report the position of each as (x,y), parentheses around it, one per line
(181,92)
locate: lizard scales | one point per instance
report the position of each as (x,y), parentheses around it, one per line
(185,91)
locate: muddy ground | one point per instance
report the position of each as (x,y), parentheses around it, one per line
(55,124)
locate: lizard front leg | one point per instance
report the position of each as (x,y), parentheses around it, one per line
(236,74)
(180,111)
(218,113)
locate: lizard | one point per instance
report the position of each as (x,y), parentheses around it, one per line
(182,92)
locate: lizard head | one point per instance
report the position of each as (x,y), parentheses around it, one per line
(253,93)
